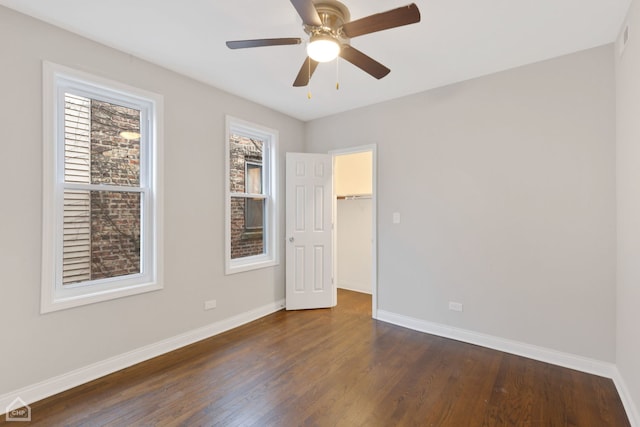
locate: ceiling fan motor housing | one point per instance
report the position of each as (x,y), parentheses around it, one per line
(333,15)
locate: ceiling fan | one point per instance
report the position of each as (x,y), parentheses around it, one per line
(328,24)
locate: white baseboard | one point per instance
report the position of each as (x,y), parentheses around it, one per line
(632,410)
(542,354)
(346,287)
(63,382)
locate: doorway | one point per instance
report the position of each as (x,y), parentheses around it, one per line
(354,211)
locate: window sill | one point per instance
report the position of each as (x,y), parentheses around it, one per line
(52,302)
(240,265)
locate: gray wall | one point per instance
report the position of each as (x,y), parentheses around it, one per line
(628,168)
(506,189)
(37,347)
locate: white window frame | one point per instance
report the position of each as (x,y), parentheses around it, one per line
(57,80)
(270,257)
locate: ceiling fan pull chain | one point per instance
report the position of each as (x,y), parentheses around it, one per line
(337,73)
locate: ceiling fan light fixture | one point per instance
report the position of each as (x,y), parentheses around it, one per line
(323,48)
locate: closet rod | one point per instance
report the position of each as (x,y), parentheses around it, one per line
(354,197)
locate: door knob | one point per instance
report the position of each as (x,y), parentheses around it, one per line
(291,239)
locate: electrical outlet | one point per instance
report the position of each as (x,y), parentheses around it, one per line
(455,306)
(209,305)
(396,218)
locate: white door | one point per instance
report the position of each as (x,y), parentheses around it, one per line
(308,231)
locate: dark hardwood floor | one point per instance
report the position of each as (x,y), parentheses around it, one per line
(336,367)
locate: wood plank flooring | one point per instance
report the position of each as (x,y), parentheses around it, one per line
(336,367)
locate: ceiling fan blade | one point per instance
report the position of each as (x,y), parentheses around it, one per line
(307,12)
(364,62)
(404,15)
(305,73)
(242,44)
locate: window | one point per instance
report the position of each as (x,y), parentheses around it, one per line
(250,189)
(254,207)
(101,234)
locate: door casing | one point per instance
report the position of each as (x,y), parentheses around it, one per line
(374,220)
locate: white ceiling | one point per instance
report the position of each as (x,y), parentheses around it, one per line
(456,40)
